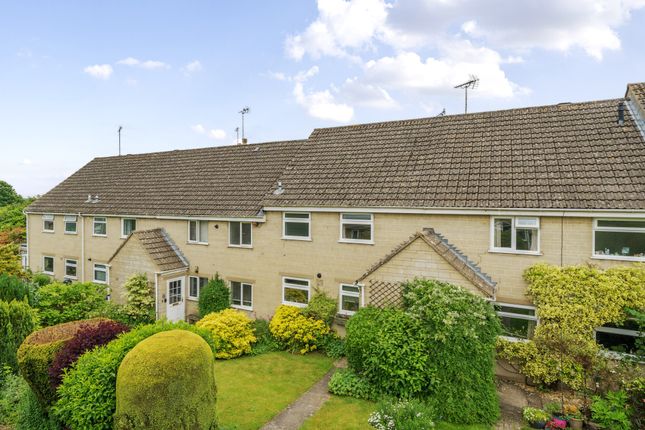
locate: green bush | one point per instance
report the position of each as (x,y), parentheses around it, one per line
(37,353)
(59,303)
(459,331)
(612,412)
(88,391)
(403,415)
(19,408)
(265,341)
(332,345)
(321,307)
(232,332)
(385,346)
(17,320)
(345,382)
(296,332)
(15,288)
(40,279)
(214,297)
(167,381)
(140,300)
(10,262)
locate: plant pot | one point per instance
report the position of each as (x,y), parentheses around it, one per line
(538,424)
(575,424)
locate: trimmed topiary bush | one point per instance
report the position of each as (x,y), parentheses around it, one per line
(167,381)
(17,320)
(88,391)
(59,303)
(214,297)
(232,332)
(87,337)
(296,332)
(37,353)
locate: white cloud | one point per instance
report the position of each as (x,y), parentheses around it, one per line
(217,134)
(192,67)
(198,128)
(322,104)
(99,71)
(368,95)
(147,64)
(340,25)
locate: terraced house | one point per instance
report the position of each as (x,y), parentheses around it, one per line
(471,199)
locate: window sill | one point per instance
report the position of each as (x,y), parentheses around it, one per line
(48,231)
(513,339)
(197,243)
(302,239)
(100,282)
(241,246)
(193,299)
(617,258)
(70,233)
(243,308)
(298,305)
(99,235)
(511,251)
(48,273)
(358,242)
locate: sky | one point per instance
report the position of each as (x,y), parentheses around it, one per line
(175,74)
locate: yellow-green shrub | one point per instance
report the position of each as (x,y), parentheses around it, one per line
(232,332)
(38,351)
(167,381)
(296,332)
(571,302)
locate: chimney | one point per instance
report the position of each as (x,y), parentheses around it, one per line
(245,141)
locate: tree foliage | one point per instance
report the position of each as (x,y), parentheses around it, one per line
(10,263)
(214,297)
(140,301)
(8,194)
(59,302)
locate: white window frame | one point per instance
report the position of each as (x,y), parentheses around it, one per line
(341,293)
(619,331)
(517,316)
(307,288)
(53,265)
(71,262)
(242,284)
(49,217)
(241,245)
(107,273)
(286,219)
(123,220)
(96,220)
(614,229)
(199,288)
(70,219)
(514,226)
(198,232)
(369,222)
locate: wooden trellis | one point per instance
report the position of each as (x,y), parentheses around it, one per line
(384,294)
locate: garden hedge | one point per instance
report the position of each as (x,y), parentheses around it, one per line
(13,287)
(167,381)
(296,332)
(59,303)
(17,321)
(38,351)
(232,332)
(88,391)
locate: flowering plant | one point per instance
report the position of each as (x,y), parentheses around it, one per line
(556,423)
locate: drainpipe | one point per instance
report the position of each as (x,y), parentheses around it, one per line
(156,296)
(82,222)
(27,238)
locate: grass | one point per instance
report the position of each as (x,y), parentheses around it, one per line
(352,414)
(252,390)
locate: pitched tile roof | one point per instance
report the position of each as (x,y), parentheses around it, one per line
(449,252)
(161,248)
(566,156)
(220,181)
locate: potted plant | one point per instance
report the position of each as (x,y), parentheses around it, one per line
(536,418)
(556,424)
(573,416)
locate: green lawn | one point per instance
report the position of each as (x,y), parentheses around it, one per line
(352,414)
(252,390)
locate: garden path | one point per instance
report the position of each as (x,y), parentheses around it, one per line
(293,416)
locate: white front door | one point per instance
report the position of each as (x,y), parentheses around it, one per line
(175,300)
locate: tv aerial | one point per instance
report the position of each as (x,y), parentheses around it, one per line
(472,84)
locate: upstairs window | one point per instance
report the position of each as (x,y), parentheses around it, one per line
(296,225)
(356,228)
(99,226)
(196,283)
(515,234)
(48,223)
(71,268)
(350,299)
(242,295)
(198,232)
(518,321)
(70,224)
(295,292)
(128,225)
(48,265)
(619,239)
(240,234)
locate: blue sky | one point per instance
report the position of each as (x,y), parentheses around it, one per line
(174,74)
